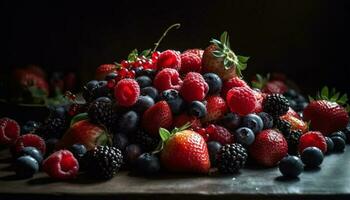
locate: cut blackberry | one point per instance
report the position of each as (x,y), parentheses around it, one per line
(293,142)
(146,142)
(276,105)
(231,158)
(283,126)
(103,162)
(101,112)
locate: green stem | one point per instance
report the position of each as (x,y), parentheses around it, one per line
(177,26)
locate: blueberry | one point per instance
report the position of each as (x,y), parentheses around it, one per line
(143,103)
(213,148)
(91,85)
(339,143)
(32,152)
(231,121)
(120,141)
(346,131)
(151,73)
(291,166)
(292,103)
(144,81)
(300,99)
(150,91)
(339,134)
(51,145)
(138,71)
(128,122)
(245,136)
(253,121)
(197,109)
(29,127)
(132,152)
(173,98)
(26,166)
(214,82)
(267,120)
(312,157)
(78,150)
(291,93)
(102,90)
(146,164)
(330,145)
(111,76)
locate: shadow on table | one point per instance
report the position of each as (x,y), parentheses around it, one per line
(287,179)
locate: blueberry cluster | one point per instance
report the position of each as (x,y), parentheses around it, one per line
(296,100)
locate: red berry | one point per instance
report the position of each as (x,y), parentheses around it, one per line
(167,79)
(216,108)
(241,100)
(126,92)
(184,118)
(269,147)
(9,131)
(155,54)
(30,140)
(259,100)
(103,70)
(194,87)
(231,83)
(73,109)
(190,62)
(203,132)
(157,116)
(111,83)
(275,86)
(312,139)
(61,165)
(198,52)
(219,134)
(169,59)
(131,74)
(124,64)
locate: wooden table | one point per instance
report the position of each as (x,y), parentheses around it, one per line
(330,182)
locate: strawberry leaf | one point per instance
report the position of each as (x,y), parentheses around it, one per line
(164,134)
(146,52)
(325,92)
(133,55)
(78,117)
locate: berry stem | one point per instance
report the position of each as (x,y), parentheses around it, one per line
(177,26)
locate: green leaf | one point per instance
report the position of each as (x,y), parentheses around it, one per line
(217,43)
(182,128)
(311,98)
(242,66)
(347,108)
(325,92)
(243,59)
(164,134)
(133,55)
(37,92)
(103,139)
(218,54)
(335,97)
(223,37)
(343,99)
(78,117)
(146,52)
(226,63)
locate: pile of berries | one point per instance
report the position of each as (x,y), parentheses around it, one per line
(179,112)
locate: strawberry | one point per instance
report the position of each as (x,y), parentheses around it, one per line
(27,79)
(182,119)
(275,86)
(325,113)
(103,70)
(219,134)
(269,147)
(216,108)
(296,123)
(35,69)
(293,113)
(85,133)
(184,151)
(157,116)
(220,59)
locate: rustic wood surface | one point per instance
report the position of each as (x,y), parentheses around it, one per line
(331,181)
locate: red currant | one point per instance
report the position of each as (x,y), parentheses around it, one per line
(131,74)
(155,54)
(125,63)
(123,72)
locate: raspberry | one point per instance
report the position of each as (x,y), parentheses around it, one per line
(167,79)
(198,52)
(259,100)
(312,139)
(194,87)
(169,59)
(61,165)
(126,92)
(190,62)
(9,131)
(219,134)
(231,83)
(29,140)
(216,108)
(241,100)
(103,70)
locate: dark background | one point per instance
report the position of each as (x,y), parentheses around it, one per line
(307,40)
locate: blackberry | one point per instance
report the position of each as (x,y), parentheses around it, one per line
(103,162)
(231,158)
(146,142)
(293,142)
(101,111)
(276,105)
(53,127)
(283,126)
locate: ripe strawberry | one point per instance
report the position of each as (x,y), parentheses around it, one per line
(182,119)
(103,70)
(194,87)
(241,100)
(221,60)
(190,62)
(275,86)
(184,151)
(296,124)
(126,92)
(85,133)
(169,59)
(61,165)
(29,140)
(269,147)
(28,79)
(198,52)
(231,83)
(167,79)
(157,116)
(312,139)
(9,131)
(216,108)
(219,134)
(325,116)
(293,113)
